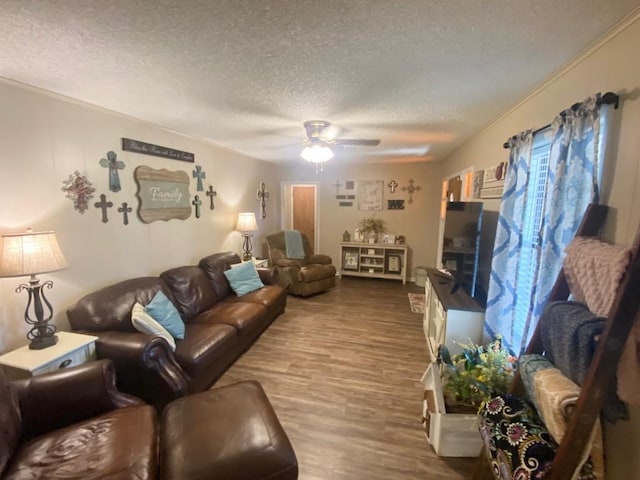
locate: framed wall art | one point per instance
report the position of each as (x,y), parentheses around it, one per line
(370,195)
(351,260)
(394,263)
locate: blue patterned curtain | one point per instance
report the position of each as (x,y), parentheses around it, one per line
(574,173)
(503,281)
(572,183)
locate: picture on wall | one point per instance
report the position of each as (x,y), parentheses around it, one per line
(493,181)
(370,195)
(478,178)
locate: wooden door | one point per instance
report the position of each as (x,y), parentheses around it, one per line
(304,211)
(455,188)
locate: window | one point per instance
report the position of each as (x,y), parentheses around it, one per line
(532,222)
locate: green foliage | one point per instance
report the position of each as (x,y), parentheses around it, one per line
(477,373)
(372,225)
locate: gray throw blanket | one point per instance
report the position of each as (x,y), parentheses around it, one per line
(568,331)
(293,244)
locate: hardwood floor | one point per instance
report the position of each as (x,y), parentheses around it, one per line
(342,370)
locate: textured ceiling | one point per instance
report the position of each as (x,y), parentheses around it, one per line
(421,75)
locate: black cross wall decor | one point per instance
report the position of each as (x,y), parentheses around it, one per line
(125,210)
(103,204)
(262,197)
(211,193)
(411,188)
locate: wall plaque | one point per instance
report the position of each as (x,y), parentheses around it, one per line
(163,194)
(156,150)
(370,194)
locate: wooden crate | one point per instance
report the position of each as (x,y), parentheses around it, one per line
(450,434)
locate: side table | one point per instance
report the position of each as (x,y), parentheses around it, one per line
(72,349)
(261,262)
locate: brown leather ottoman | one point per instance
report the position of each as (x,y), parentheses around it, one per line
(229,433)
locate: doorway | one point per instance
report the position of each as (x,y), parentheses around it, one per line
(300,210)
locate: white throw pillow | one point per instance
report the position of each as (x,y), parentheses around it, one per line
(144,323)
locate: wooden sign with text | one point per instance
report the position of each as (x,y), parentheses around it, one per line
(156,150)
(163,194)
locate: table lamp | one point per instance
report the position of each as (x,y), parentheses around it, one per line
(32,253)
(247,224)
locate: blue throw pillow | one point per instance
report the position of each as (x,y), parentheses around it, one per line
(244,278)
(165,313)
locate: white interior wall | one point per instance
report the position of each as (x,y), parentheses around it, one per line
(418,222)
(44,138)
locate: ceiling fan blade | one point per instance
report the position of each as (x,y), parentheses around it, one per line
(357,141)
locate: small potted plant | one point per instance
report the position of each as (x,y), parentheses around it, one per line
(456,387)
(372,228)
(475,375)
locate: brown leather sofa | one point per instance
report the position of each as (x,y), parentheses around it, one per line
(301,276)
(219,327)
(74,424)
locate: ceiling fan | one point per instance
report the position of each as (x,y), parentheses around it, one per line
(323,131)
(321,135)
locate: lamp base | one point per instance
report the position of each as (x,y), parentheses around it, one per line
(246,247)
(43,342)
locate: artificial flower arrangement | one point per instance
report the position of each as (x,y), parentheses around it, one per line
(372,226)
(475,375)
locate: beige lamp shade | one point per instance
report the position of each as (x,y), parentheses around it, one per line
(247,222)
(30,253)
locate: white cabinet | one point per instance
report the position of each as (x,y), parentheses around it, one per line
(377,260)
(451,316)
(72,349)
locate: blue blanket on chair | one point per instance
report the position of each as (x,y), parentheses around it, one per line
(293,243)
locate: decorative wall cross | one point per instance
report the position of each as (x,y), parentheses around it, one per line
(103,204)
(200,175)
(411,188)
(196,203)
(79,190)
(392,186)
(262,196)
(337,185)
(113,164)
(211,193)
(125,210)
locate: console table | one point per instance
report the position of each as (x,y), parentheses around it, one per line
(451,316)
(374,260)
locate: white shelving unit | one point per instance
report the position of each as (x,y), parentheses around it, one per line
(374,260)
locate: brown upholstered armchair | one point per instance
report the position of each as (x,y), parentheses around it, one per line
(301,276)
(73,423)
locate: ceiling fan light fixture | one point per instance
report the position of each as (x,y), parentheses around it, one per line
(317,153)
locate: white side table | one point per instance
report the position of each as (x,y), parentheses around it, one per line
(72,349)
(261,262)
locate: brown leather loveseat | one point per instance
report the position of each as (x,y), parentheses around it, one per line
(219,326)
